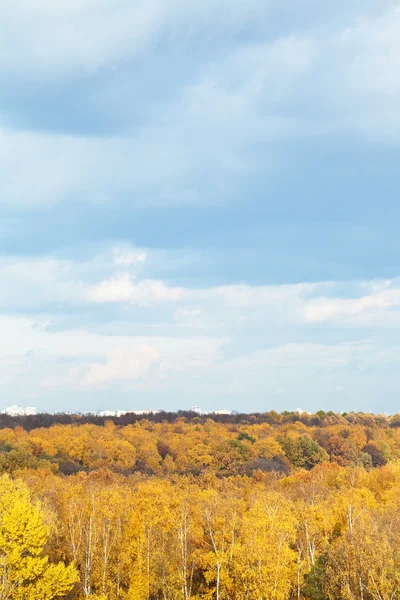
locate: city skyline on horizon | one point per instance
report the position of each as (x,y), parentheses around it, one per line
(20,411)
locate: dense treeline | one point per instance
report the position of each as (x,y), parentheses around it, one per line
(196,509)
(195,446)
(319,419)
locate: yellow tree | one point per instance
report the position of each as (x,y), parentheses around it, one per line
(219,518)
(92,511)
(363,561)
(181,533)
(316,512)
(25,572)
(145,552)
(265,565)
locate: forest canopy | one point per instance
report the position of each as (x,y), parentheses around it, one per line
(267,507)
(186,444)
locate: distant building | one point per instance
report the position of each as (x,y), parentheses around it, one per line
(121,413)
(148,411)
(222,412)
(14,411)
(19,411)
(196,409)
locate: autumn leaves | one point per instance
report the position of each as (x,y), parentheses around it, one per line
(25,572)
(326,534)
(193,448)
(190,511)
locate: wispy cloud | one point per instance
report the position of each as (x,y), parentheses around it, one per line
(381,306)
(124,289)
(122,366)
(120,276)
(89,36)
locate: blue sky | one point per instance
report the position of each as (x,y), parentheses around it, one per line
(199,204)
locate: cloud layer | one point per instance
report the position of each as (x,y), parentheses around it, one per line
(102,325)
(199,203)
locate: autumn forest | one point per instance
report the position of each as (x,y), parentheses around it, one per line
(181,507)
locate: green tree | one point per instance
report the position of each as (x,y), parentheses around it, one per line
(303,452)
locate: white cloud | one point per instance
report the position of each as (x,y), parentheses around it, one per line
(370,308)
(247,295)
(123,366)
(34,283)
(241,87)
(117,289)
(35,357)
(241,98)
(354,85)
(123,289)
(42,36)
(116,277)
(154,164)
(31,356)
(374,66)
(29,282)
(72,34)
(252,334)
(297,355)
(191,317)
(251,86)
(59,167)
(129,257)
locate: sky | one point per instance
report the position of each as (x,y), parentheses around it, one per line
(199,204)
